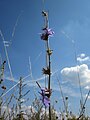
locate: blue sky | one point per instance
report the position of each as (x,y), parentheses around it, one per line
(21,23)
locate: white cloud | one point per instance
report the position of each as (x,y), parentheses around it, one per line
(73,74)
(82,55)
(87,96)
(87,87)
(83,58)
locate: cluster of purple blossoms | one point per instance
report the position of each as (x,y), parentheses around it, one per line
(45,100)
(47,32)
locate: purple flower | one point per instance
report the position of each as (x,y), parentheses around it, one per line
(47,32)
(50,32)
(45,99)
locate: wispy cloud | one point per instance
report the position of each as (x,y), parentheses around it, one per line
(82,58)
(67,90)
(10,79)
